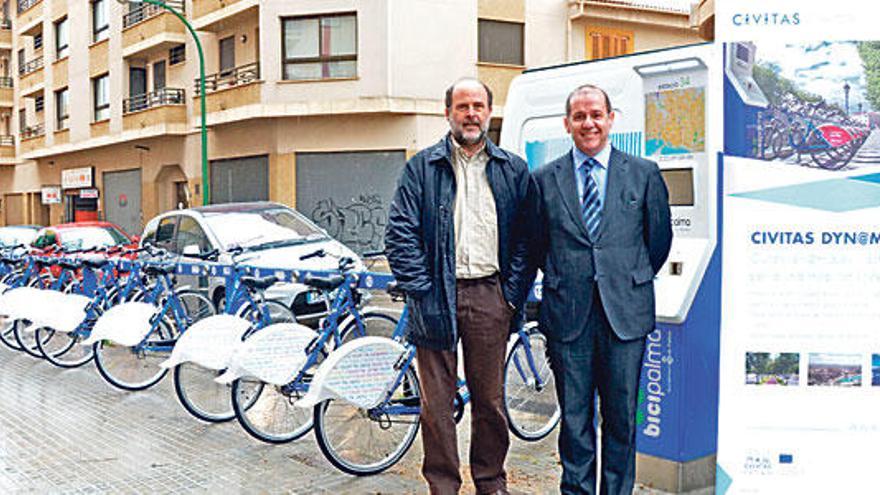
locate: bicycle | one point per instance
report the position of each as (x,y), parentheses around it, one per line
(264,407)
(137,336)
(201,356)
(367,440)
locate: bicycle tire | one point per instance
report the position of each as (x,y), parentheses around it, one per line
(360,443)
(268,414)
(196,306)
(63,349)
(25,337)
(278,312)
(532,412)
(374,324)
(129,369)
(200,395)
(7,335)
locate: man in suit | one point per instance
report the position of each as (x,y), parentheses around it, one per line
(603,231)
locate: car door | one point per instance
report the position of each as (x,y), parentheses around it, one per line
(190,233)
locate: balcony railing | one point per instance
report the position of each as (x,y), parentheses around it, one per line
(7,140)
(5,82)
(31,66)
(147,10)
(232,77)
(26,4)
(164,96)
(33,131)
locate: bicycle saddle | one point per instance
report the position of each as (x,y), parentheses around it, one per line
(324,283)
(258,283)
(164,269)
(394,291)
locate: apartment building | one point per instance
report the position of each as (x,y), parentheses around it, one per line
(314,103)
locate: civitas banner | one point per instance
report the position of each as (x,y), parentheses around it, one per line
(800,336)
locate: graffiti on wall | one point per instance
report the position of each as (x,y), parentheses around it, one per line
(360,224)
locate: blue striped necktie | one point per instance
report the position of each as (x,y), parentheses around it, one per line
(591,205)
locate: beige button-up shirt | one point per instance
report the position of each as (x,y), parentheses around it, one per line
(476,222)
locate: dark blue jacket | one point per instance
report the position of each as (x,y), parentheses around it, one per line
(420,238)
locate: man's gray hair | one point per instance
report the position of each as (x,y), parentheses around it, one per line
(451,88)
(586,88)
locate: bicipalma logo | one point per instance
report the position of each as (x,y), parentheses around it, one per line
(650,399)
(767,19)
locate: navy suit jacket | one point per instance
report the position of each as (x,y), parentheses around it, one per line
(633,242)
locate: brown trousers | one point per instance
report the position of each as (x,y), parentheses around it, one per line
(483,318)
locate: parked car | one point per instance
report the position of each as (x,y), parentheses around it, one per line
(83,235)
(272,236)
(14,235)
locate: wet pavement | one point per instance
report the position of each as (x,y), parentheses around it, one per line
(69,432)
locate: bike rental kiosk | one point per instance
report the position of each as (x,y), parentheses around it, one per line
(663,101)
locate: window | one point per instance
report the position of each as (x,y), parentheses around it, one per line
(319,47)
(604,42)
(38,41)
(165,233)
(22,120)
(101,97)
(61,39)
(39,103)
(190,233)
(227,55)
(500,42)
(177,55)
(100,26)
(159,75)
(21,61)
(61,109)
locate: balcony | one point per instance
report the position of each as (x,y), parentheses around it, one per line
(231,89)
(30,14)
(33,131)
(149,29)
(33,138)
(31,76)
(6,96)
(214,15)
(6,34)
(165,106)
(7,147)
(30,66)
(24,5)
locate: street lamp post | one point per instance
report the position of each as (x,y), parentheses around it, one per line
(846,89)
(206,190)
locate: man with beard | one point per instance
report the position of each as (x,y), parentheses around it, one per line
(454,244)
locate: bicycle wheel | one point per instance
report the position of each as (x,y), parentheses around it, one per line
(267,413)
(26,338)
(63,349)
(364,442)
(200,395)
(131,368)
(196,306)
(278,312)
(529,389)
(372,324)
(7,335)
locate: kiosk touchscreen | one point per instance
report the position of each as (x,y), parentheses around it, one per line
(662,102)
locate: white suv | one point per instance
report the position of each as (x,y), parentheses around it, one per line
(272,236)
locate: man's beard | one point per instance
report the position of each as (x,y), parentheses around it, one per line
(458,134)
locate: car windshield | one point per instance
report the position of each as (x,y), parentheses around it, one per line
(263,228)
(91,237)
(15,236)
